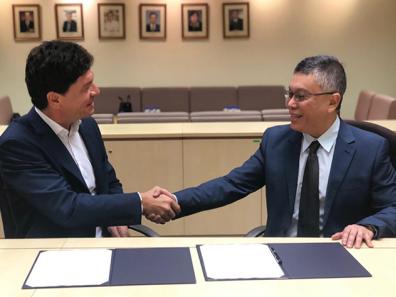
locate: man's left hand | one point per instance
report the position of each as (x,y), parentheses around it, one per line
(118,231)
(354,236)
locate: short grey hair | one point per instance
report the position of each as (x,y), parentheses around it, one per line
(327,71)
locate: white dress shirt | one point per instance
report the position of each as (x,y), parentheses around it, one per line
(325,157)
(72,140)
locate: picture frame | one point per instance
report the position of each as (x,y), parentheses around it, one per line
(26,22)
(69,21)
(111,20)
(195,21)
(152,21)
(236,20)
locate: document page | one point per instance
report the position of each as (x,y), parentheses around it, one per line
(240,261)
(82,267)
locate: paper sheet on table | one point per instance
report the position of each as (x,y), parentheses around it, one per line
(240,261)
(71,268)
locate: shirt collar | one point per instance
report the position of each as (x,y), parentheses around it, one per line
(58,129)
(327,140)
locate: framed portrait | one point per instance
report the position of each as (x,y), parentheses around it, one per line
(69,21)
(236,20)
(195,21)
(27,22)
(111,20)
(152,21)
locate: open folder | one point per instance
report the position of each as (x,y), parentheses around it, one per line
(278,261)
(111,267)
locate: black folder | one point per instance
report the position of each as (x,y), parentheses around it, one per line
(146,266)
(152,266)
(312,260)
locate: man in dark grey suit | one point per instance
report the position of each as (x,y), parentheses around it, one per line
(69,25)
(194,21)
(27,22)
(236,23)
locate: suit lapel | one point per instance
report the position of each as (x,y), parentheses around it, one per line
(54,147)
(343,155)
(292,160)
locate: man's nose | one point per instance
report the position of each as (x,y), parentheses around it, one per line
(95,90)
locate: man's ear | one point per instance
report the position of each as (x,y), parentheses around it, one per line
(53,99)
(335,101)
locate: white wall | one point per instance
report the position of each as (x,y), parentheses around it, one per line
(360,32)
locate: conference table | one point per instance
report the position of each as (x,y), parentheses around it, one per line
(18,255)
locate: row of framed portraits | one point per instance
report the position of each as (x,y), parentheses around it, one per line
(111,21)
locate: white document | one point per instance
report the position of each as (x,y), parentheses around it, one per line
(240,261)
(82,267)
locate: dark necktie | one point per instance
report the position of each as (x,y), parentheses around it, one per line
(308,217)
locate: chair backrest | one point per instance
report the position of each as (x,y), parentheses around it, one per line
(276,118)
(261,97)
(382,131)
(153,117)
(280,114)
(103,118)
(383,107)
(226,116)
(5,110)
(166,99)
(9,225)
(363,105)
(212,98)
(107,101)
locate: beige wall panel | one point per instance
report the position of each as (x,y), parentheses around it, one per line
(360,32)
(204,159)
(142,164)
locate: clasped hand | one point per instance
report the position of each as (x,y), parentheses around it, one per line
(159,205)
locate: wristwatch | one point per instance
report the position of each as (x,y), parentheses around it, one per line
(373,229)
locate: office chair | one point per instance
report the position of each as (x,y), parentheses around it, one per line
(146,231)
(9,220)
(363,105)
(6,113)
(382,131)
(371,127)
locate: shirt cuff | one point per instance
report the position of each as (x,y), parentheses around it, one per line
(141,201)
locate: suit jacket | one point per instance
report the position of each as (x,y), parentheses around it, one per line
(156,29)
(47,192)
(195,27)
(27,27)
(361,187)
(73,26)
(236,25)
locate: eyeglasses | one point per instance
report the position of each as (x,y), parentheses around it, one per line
(301,95)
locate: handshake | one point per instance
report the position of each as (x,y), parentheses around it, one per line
(159,205)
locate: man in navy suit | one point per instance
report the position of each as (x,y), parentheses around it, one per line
(194,21)
(69,25)
(236,23)
(356,188)
(27,23)
(53,163)
(152,25)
